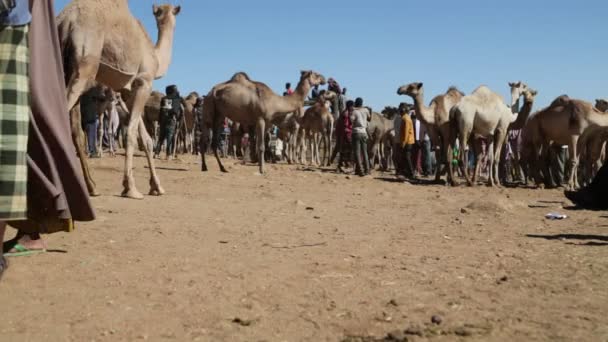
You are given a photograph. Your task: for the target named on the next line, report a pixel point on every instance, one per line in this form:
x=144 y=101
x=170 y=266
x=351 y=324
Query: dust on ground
x=301 y=255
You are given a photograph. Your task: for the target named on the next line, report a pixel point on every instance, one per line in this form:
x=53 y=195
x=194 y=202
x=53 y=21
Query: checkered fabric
x=14 y=121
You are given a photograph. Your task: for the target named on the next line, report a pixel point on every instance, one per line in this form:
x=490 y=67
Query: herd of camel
x=102 y=43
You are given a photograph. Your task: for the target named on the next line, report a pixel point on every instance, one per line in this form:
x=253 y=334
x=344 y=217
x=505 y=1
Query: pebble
x=436 y=319
x=464 y=210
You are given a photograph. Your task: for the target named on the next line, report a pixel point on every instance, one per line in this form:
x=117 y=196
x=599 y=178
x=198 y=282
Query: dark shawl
x=56 y=188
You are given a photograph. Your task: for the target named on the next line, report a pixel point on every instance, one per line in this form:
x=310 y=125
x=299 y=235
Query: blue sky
x=372 y=47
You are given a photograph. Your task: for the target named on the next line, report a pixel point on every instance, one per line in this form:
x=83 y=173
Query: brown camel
x=436 y=117
x=562 y=123
x=252 y=103
x=318 y=124
x=102 y=41
x=601 y=105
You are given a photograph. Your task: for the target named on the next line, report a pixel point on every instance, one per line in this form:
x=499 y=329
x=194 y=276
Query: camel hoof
x=157 y=191
x=222 y=169
x=94 y=193
x=133 y=194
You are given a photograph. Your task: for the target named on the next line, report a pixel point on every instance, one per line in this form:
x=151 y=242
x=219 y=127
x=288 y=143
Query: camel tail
x=455 y=116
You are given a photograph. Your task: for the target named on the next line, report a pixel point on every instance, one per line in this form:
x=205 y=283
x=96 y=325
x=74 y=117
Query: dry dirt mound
x=494 y=204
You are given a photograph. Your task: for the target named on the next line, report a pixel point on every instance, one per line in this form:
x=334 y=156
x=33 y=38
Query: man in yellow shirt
x=407 y=139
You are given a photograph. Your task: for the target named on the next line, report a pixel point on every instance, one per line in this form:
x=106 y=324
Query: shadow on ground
x=577 y=237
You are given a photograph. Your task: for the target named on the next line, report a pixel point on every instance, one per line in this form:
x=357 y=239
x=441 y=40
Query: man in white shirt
x=360 y=119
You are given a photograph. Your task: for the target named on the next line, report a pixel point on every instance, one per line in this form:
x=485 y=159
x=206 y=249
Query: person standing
x=427 y=165
x=89 y=104
x=332 y=85
x=417 y=147
x=360 y=118
x=199 y=125
x=314 y=94
x=397 y=149
x=344 y=137
x=42 y=189
x=288 y=90
x=170 y=115
x=408 y=139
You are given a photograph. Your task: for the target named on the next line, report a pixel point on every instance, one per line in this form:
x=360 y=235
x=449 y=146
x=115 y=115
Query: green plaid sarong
x=14 y=121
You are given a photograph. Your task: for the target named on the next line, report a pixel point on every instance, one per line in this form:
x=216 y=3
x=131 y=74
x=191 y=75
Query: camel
x=152 y=113
x=377 y=130
x=185 y=131
x=318 y=123
x=485 y=114
x=562 y=123
x=252 y=103
x=111 y=107
x=592 y=145
x=101 y=40
x=436 y=117
x=601 y=105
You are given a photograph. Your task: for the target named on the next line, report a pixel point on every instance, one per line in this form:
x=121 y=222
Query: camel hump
x=561 y=100
x=239 y=77
x=454 y=90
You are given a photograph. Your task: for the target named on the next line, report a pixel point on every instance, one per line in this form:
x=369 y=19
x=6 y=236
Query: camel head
x=529 y=95
x=601 y=105
x=165 y=14
x=412 y=89
x=517 y=90
x=329 y=95
x=314 y=78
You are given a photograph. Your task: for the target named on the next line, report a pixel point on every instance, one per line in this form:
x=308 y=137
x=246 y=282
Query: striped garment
x=14 y=121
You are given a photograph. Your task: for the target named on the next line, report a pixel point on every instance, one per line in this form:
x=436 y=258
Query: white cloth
x=359 y=119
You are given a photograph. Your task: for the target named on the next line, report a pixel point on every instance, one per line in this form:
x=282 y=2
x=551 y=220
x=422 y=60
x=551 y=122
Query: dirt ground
x=305 y=255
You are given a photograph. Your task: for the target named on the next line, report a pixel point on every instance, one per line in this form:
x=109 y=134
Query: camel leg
x=99 y=142
x=478 y=150
x=141 y=93
x=148 y=145
x=499 y=141
x=78 y=139
x=573 y=163
x=492 y=160
x=204 y=138
x=464 y=156
x=261 y=148
x=218 y=127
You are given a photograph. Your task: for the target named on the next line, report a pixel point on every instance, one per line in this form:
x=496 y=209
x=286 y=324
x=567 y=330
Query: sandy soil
x=301 y=255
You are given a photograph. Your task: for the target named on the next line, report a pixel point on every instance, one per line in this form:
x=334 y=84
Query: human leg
x=366 y=164
x=408 y=167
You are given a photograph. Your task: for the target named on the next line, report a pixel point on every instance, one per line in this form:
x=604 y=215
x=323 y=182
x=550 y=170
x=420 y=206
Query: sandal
x=19 y=250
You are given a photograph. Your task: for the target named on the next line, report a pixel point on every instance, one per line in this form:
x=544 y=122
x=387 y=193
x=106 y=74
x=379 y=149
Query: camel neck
x=294 y=101
x=423 y=112
x=523 y=115
x=164 y=48
x=515 y=106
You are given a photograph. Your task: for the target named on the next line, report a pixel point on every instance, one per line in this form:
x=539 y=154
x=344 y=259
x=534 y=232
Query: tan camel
x=252 y=103
x=592 y=145
x=184 y=134
x=318 y=124
x=102 y=41
x=484 y=114
x=436 y=117
x=152 y=113
x=377 y=130
x=562 y=123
